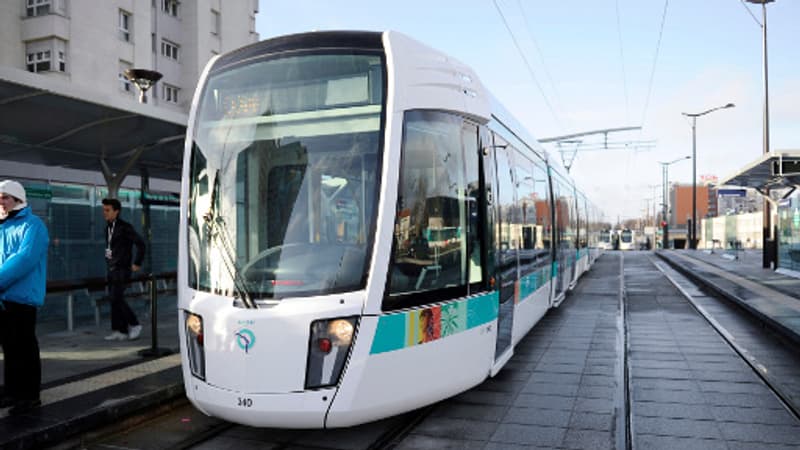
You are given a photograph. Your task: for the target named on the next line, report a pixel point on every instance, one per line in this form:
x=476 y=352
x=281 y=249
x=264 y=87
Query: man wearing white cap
x=23 y=279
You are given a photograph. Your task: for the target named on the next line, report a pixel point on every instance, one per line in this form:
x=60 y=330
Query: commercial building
x=681 y=204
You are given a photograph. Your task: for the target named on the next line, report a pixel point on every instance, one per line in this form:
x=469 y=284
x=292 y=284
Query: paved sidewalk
x=88 y=382
x=771 y=296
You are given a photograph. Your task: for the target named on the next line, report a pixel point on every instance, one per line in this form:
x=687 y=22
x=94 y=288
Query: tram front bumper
x=290 y=410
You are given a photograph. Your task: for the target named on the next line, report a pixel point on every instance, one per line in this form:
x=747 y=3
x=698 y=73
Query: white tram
x=627 y=239
x=363 y=232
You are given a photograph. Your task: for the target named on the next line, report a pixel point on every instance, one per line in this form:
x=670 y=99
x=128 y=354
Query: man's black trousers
x=22 y=367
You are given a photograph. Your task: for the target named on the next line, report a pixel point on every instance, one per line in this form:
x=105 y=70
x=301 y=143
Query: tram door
x=560 y=240
x=506 y=245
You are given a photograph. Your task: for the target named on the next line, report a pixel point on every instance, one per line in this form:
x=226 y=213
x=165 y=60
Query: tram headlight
x=329 y=346
x=342 y=330
x=194 y=344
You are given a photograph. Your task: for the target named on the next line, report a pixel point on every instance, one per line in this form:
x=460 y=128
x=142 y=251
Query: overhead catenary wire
x=751 y=13
x=528 y=66
x=655 y=63
x=528 y=28
x=622 y=59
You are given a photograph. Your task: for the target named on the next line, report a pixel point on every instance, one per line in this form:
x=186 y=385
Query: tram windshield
x=627 y=236
x=284 y=175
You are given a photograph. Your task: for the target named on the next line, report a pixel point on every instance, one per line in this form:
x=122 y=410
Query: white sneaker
x=134 y=332
x=116 y=336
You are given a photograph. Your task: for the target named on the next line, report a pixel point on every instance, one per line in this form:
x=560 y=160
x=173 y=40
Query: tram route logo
x=245 y=339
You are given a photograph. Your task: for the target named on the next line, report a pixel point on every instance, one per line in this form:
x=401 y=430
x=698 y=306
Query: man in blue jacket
x=23 y=280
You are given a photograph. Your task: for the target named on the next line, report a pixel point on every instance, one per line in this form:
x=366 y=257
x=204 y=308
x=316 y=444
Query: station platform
x=559 y=389
x=88 y=382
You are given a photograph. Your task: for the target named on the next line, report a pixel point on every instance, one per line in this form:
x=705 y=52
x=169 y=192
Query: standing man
x=23 y=283
x=120 y=240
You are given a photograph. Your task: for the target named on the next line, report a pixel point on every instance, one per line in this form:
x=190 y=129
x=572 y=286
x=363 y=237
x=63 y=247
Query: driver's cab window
x=433 y=257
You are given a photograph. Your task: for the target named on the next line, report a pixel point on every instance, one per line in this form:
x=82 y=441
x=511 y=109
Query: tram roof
x=774 y=170
x=51 y=122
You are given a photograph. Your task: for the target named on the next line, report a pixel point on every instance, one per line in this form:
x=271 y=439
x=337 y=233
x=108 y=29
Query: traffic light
x=663 y=224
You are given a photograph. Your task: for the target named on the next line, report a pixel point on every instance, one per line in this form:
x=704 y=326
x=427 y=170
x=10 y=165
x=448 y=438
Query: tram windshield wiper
x=216 y=230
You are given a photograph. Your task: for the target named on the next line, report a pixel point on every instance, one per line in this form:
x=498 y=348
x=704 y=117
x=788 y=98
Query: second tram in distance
x=364 y=231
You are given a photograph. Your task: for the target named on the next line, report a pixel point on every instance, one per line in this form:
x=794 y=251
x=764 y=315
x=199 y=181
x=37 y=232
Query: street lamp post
x=665 y=204
x=693 y=229
x=143 y=79
x=769 y=253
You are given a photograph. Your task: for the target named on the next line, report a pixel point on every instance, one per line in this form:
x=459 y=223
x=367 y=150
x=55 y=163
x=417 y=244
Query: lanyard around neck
x=110 y=232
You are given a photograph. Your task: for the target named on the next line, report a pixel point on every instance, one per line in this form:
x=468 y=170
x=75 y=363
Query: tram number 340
x=244 y=402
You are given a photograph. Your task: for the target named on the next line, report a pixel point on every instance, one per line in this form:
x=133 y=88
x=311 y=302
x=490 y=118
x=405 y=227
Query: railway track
x=760 y=367
x=181 y=427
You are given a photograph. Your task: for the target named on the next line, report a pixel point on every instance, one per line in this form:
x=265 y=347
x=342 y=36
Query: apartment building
x=89 y=43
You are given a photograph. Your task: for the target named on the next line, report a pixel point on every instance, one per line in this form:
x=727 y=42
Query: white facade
x=88 y=43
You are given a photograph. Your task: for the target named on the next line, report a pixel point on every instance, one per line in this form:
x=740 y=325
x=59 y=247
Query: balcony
x=44 y=27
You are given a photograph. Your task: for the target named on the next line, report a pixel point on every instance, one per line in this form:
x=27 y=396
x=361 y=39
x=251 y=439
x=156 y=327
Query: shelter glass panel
x=789 y=233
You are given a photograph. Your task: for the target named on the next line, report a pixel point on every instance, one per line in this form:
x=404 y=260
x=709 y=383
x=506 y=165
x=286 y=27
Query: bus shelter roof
x=774 y=170
x=48 y=121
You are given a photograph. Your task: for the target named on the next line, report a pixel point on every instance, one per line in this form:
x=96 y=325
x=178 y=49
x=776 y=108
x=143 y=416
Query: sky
x=572 y=66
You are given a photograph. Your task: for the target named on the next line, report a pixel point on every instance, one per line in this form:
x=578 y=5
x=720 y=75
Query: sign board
x=44 y=193
x=732 y=192
x=708 y=178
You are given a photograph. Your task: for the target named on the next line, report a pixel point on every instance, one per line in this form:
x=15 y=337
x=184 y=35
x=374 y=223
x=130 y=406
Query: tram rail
x=752 y=361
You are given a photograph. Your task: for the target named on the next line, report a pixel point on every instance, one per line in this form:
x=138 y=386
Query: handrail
x=98 y=283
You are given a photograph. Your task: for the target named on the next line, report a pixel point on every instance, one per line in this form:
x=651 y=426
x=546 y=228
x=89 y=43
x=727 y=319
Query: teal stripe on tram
x=422 y=325
x=391 y=333
x=483 y=309
x=532 y=282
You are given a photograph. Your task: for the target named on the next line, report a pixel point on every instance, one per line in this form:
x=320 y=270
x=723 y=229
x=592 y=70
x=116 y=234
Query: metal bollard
x=154 y=351
x=70 y=320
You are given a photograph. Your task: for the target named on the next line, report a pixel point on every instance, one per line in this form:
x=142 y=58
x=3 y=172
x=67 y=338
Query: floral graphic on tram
x=424 y=325
x=453 y=318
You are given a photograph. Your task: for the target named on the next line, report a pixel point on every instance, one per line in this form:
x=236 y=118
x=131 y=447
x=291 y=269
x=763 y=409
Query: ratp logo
x=245 y=339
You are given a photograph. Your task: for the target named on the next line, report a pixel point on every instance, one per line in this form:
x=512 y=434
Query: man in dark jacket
x=23 y=279
x=120 y=240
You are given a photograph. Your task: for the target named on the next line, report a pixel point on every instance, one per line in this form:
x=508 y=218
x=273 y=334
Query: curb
x=90 y=411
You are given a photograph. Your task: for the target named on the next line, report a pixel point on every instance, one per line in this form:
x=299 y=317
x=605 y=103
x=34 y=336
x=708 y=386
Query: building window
x=170 y=93
x=46 y=55
x=169 y=49
x=37 y=7
x=125 y=22
x=39 y=61
x=170 y=7
x=124 y=84
x=215 y=22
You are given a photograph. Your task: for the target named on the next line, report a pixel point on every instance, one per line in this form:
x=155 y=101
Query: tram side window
x=565 y=215
x=431 y=259
x=533 y=254
x=541 y=196
x=469 y=138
